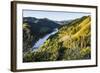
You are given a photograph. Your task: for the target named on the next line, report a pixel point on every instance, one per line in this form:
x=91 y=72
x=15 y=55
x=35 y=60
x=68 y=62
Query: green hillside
x=71 y=42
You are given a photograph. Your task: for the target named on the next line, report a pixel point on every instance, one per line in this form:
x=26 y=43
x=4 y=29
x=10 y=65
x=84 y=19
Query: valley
x=72 y=41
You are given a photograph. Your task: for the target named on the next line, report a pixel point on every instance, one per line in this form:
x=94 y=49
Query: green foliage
x=85 y=52
x=27 y=57
x=72 y=42
x=44 y=30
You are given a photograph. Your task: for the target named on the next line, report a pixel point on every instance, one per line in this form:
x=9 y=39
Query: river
x=41 y=41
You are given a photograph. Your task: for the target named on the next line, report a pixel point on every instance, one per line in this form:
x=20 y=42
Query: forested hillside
x=34 y=29
x=71 y=42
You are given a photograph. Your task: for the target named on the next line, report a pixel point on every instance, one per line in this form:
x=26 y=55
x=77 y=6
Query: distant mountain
x=41 y=22
x=64 y=22
x=71 y=42
x=29 y=19
x=39 y=25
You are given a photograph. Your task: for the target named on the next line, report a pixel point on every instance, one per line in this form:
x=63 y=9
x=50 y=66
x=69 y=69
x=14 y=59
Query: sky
x=54 y=15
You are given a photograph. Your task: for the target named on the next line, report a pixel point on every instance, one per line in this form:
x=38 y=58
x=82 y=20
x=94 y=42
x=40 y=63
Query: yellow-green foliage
x=85 y=52
x=84 y=30
x=25 y=26
x=72 y=42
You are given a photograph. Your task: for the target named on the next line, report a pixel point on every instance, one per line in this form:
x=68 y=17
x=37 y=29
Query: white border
x=21 y=65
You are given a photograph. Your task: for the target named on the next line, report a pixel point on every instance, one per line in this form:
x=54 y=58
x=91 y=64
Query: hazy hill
x=71 y=42
x=63 y=22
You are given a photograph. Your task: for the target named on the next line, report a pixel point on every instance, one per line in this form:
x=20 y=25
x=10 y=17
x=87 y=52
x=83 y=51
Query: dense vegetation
x=34 y=29
x=71 y=42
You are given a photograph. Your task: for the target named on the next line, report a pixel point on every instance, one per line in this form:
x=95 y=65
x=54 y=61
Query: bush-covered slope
x=71 y=42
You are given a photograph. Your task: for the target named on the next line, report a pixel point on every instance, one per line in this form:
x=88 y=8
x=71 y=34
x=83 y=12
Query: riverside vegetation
x=71 y=42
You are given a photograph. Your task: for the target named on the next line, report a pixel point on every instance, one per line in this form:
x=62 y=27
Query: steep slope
x=40 y=26
x=71 y=42
x=80 y=28
x=27 y=38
